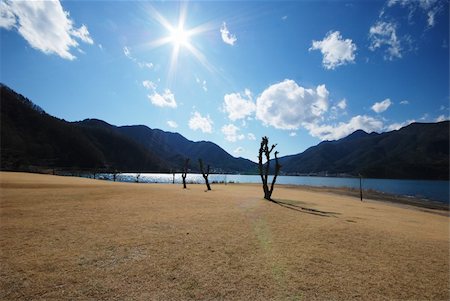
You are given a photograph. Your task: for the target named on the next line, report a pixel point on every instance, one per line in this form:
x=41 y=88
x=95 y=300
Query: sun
x=179 y=36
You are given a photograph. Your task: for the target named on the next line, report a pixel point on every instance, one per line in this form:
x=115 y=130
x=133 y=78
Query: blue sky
x=231 y=72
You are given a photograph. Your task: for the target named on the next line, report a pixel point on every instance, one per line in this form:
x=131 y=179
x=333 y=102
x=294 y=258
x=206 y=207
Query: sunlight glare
x=179 y=36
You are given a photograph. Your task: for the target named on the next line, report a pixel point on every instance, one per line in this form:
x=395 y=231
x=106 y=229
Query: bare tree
x=205 y=175
x=264 y=169
x=184 y=173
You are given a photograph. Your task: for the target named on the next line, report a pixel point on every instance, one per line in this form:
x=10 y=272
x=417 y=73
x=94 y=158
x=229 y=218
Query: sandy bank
x=72 y=238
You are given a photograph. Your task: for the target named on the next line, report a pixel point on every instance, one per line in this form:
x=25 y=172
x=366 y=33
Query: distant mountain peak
x=417 y=151
x=356 y=135
x=95 y=122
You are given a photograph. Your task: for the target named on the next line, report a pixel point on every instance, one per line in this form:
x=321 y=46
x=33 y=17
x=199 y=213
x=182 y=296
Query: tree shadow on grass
x=290 y=205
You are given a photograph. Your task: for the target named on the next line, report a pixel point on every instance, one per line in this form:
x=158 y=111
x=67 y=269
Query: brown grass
x=72 y=238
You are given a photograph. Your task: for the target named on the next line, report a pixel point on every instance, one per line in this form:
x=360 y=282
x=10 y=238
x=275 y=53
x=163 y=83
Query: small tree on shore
x=205 y=175
x=264 y=169
x=184 y=173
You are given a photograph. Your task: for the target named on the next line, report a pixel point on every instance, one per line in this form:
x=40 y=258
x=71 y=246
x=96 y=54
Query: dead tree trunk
x=264 y=170
x=205 y=175
x=184 y=173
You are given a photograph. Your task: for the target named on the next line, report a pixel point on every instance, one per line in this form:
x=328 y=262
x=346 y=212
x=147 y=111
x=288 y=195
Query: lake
x=425 y=189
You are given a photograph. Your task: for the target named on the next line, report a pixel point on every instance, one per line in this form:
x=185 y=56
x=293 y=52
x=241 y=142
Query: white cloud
x=141 y=64
x=7 y=16
x=202 y=83
x=336 y=51
x=342 y=104
x=338 y=109
x=83 y=34
x=127 y=52
x=149 y=85
x=166 y=99
x=44 y=25
x=393 y=2
x=334 y=132
x=292 y=134
x=398 y=125
x=145 y=65
x=251 y=136
x=431 y=20
x=384 y=34
x=381 y=106
x=172 y=124
x=425 y=116
x=227 y=37
x=238 y=150
x=429 y=7
x=441 y=118
x=237 y=106
x=408 y=16
x=360 y=122
x=284 y=18
x=404 y=102
x=198 y=122
x=231 y=133
x=286 y=105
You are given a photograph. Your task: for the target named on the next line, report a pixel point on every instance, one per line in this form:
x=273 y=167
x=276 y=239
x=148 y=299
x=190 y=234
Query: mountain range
x=417 y=151
x=31 y=139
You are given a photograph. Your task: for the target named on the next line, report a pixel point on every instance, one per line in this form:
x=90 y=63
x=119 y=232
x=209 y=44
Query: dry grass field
x=80 y=239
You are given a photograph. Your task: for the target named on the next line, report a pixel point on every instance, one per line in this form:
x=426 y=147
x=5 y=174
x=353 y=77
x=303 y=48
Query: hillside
x=31 y=139
x=173 y=148
x=417 y=151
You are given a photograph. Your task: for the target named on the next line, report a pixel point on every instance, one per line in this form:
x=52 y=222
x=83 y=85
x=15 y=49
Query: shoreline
x=368 y=194
x=374 y=195
x=346 y=190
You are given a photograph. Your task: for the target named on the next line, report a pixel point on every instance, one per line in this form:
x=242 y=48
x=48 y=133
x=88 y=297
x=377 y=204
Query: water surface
x=424 y=189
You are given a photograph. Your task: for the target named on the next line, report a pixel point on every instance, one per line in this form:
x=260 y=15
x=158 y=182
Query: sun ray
x=200 y=57
x=182 y=15
x=173 y=64
x=180 y=38
x=202 y=28
x=159 y=42
x=158 y=17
